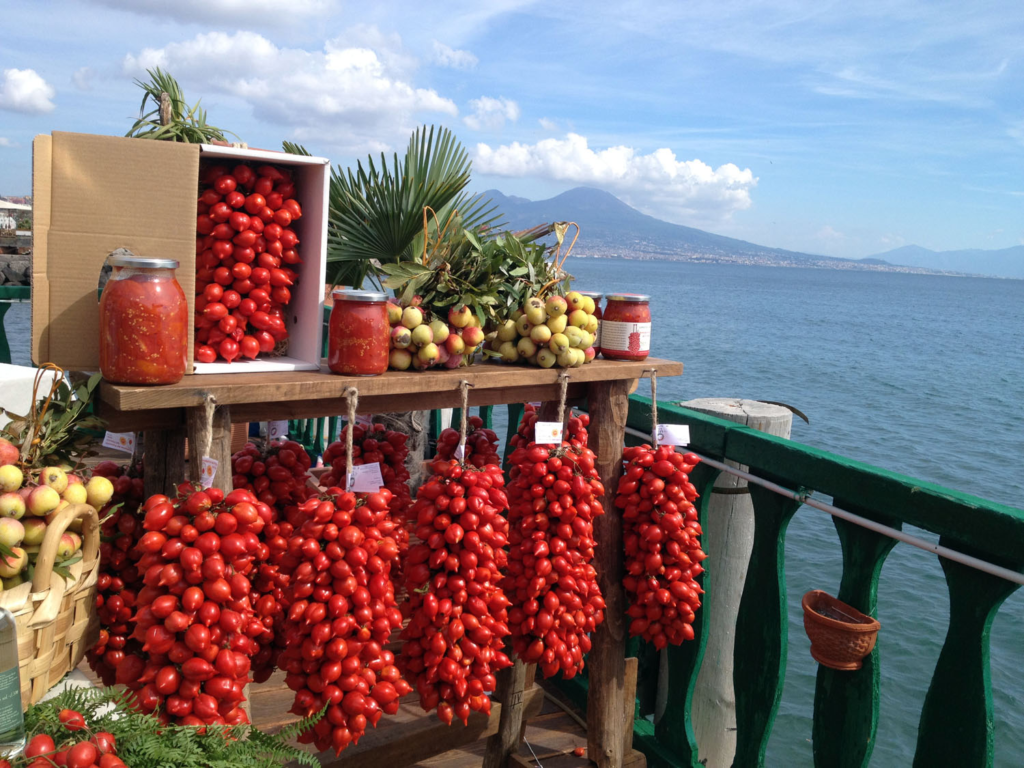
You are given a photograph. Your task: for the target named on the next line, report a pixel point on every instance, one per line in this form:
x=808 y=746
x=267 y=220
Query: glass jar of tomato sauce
x=143 y=322
x=359 y=333
x=626 y=327
x=597 y=298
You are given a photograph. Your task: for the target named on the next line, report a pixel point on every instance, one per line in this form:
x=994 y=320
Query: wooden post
x=728 y=540
x=164 y=456
x=608 y=403
x=210 y=427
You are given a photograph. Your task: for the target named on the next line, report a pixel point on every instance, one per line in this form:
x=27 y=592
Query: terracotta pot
x=841 y=636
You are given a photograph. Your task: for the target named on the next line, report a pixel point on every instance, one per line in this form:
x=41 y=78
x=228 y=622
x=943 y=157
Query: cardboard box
x=93 y=194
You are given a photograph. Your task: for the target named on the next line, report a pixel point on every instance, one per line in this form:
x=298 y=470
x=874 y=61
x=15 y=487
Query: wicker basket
x=57 y=620
x=841 y=636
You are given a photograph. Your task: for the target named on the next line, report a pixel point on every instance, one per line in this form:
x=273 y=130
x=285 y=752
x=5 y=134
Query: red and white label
x=628 y=338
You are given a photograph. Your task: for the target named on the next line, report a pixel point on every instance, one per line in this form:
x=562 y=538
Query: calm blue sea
x=919 y=374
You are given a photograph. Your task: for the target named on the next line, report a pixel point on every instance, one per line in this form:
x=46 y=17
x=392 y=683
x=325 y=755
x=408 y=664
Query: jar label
x=597 y=334
x=617 y=336
x=10 y=700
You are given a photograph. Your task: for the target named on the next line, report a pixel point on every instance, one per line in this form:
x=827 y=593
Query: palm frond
x=187 y=124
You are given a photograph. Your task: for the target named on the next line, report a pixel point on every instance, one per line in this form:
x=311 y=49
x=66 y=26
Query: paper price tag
x=460 y=452
x=120 y=441
x=365 y=478
x=277 y=430
x=548 y=433
x=208 y=471
x=673 y=434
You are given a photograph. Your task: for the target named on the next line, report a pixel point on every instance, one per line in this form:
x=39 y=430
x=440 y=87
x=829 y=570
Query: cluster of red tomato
x=340 y=611
x=119 y=581
x=456 y=608
x=195 y=613
x=245 y=259
x=554 y=496
x=661 y=537
x=481 y=444
x=279 y=476
x=98 y=751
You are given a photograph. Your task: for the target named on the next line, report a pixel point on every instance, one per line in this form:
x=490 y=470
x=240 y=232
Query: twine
x=654 y=405
x=563 y=381
x=464 y=425
x=352 y=395
x=209 y=405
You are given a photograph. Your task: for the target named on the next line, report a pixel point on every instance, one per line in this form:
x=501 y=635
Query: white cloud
x=891 y=240
x=238 y=12
x=548 y=125
x=23 y=90
x=829 y=234
x=83 y=78
x=446 y=56
x=681 y=190
x=4 y=142
x=491 y=114
x=352 y=97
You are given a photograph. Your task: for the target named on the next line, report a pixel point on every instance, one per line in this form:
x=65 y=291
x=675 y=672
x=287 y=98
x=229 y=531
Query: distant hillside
x=612 y=228
x=1008 y=262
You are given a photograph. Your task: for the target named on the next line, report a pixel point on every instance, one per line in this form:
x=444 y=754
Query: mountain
x=1007 y=262
x=610 y=227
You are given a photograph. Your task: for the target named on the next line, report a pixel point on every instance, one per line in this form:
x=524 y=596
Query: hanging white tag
x=277 y=430
x=120 y=441
x=548 y=433
x=673 y=434
x=208 y=472
x=365 y=478
x=460 y=452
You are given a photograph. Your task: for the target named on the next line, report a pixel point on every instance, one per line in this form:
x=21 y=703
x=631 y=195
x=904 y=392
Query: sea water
x=914 y=373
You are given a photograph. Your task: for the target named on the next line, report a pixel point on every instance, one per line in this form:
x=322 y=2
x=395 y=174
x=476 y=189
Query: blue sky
x=829 y=127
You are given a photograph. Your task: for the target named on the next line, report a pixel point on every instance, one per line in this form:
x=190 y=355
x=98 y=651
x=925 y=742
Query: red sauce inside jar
x=143 y=323
x=358 y=334
x=626 y=327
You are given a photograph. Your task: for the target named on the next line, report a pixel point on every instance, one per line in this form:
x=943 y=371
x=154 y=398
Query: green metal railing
x=956 y=722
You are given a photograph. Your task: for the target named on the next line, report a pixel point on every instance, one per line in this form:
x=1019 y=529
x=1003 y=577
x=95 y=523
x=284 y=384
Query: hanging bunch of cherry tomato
x=195 y=613
x=481 y=444
x=373 y=443
x=554 y=496
x=661 y=536
x=246 y=260
x=456 y=608
x=340 y=611
x=119 y=580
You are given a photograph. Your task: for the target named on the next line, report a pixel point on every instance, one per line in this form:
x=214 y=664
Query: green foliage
x=377 y=211
x=58 y=435
x=295 y=149
x=143 y=742
x=492 y=275
x=187 y=124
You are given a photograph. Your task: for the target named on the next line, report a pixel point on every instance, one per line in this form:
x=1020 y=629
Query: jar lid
x=353 y=294
x=591 y=294
x=637 y=298
x=141 y=262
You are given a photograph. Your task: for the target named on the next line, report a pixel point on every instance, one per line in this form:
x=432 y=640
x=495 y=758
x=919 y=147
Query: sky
x=838 y=128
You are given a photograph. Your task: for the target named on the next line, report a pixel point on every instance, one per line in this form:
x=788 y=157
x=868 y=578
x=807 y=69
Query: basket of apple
x=422 y=339
x=556 y=331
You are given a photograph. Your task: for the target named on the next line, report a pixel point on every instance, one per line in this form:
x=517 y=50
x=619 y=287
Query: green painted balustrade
x=956 y=722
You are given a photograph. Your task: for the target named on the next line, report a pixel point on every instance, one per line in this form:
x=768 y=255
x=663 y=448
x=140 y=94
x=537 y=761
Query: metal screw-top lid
x=352 y=294
x=637 y=298
x=595 y=295
x=140 y=262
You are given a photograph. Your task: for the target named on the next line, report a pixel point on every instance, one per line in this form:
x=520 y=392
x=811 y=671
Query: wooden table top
x=298 y=386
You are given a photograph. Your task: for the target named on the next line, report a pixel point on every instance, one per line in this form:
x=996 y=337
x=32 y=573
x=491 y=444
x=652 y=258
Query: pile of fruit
x=554 y=496
x=481 y=444
x=79 y=750
x=661 y=537
x=453 y=643
x=246 y=259
x=560 y=330
x=340 y=610
x=29 y=502
x=420 y=341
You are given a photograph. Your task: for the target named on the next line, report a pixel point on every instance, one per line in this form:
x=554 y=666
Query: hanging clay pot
x=841 y=636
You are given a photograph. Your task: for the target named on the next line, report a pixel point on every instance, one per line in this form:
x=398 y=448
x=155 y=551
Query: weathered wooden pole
x=728 y=540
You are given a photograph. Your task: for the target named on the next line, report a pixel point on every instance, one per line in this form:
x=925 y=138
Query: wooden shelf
x=311 y=394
